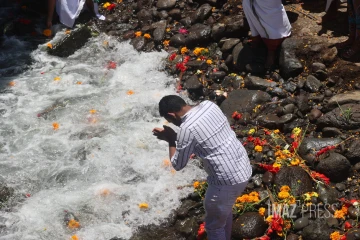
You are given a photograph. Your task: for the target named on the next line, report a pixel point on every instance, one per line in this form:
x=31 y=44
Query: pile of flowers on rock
x=281 y=206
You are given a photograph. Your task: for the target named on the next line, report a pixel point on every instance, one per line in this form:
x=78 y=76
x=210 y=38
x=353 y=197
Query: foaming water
x=99 y=165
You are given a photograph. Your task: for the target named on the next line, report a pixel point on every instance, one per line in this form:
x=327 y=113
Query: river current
x=75 y=136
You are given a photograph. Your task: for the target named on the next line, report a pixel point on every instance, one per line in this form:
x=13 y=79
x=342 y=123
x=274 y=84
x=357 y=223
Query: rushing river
x=76 y=136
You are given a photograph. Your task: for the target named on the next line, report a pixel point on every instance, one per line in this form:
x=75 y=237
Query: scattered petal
x=130 y=92
x=56 y=126
x=12 y=83
x=47 y=32
x=78 y=82
x=56 y=78
x=49 y=45
x=143 y=206
x=92 y=111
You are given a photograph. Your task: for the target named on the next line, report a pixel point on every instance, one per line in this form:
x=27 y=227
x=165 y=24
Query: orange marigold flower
x=47 y=32
x=197 y=185
x=138 y=34
x=276 y=131
x=184 y=50
x=258 y=148
x=166 y=43
x=339 y=214
x=262 y=211
x=11 y=84
x=292 y=200
x=72 y=224
x=49 y=45
x=67 y=31
x=147 y=36
x=56 y=126
x=283 y=195
x=344 y=209
x=209 y=61
x=92 y=111
x=56 y=78
x=285 y=188
x=143 y=205
x=78 y=82
x=166 y=163
x=295 y=162
x=335 y=236
x=130 y=92
x=74 y=237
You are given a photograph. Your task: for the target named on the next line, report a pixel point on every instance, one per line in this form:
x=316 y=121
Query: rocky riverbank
x=299 y=124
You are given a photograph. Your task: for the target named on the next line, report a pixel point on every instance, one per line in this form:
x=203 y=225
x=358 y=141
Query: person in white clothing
x=69 y=10
x=269 y=23
x=206 y=132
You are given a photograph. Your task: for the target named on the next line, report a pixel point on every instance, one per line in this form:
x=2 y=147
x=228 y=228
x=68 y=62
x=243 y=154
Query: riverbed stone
x=193 y=85
x=243 y=100
x=312 y=84
x=335 y=166
x=177 y=40
x=187 y=227
x=296 y=178
x=318 y=66
x=202 y=13
x=300 y=223
x=5 y=192
x=290 y=65
x=353 y=151
x=346 y=117
x=317 y=230
x=229 y=44
x=327 y=195
x=344 y=98
x=249 y=225
x=257 y=83
x=310 y=146
x=199 y=34
x=165 y=4
x=314 y=114
x=353 y=234
x=138 y=43
x=155 y=232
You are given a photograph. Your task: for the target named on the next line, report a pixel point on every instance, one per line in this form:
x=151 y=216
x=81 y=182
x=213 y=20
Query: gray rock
x=144 y=16
x=330 y=55
x=243 y=100
x=353 y=151
x=178 y=40
x=354 y=212
x=340 y=186
x=5 y=192
x=138 y=43
x=328 y=93
x=165 y=4
x=353 y=234
x=292 y=236
x=335 y=166
x=186 y=22
x=310 y=146
x=257 y=83
x=312 y=84
x=175 y=13
x=300 y=223
x=290 y=86
x=193 y=85
x=187 y=227
x=229 y=44
x=156 y=232
x=314 y=114
x=183 y=210
x=198 y=34
x=332 y=222
x=296 y=178
x=290 y=65
x=197 y=65
x=217 y=76
x=230 y=82
x=159 y=32
x=289 y=108
x=236 y=26
x=346 y=117
x=71 y=42
x=270 y=121
x=331 y=132
x=327 y=194
x=268 y=178
x=163 y=14
x=318 y=66
x=344 y=98
x=302 y=103
x=202 y=13
x=317 y=230
x=218 y=31
x=321 y=75
x=249 y=225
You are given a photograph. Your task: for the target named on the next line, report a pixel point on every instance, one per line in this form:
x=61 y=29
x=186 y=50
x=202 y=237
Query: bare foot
x=270 y=60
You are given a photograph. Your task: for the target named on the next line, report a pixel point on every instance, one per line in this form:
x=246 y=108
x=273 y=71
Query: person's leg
x=218 y=206
x=331 y=12
x=355 y=48
x=272 y=45
x=90 y=6
x=352 y=26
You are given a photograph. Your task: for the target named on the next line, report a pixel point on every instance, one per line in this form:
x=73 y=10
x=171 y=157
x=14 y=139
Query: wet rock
x=175 y=14
x=178 y=40
x=202 y=65
x=289 y=108
x=217 y=76
x=187 y=227
x=331 y=132
x=340 y=186
x=335 y=166
x=155 y=232
x=353 y=151
x=159 y=32
x=353 y=234
x=314 y=114
x=332 y=222
x=202 y=13
x=249 y=225
x=292 y=236
x=268 y=178
x=229 y=44
x=71 y=42
x=68 y=217
x=144 y=16
x=165 y=4
x=330 y=55
x=290 y=86
x=270 y=121
x=290 y=65
x=257 y=179
x=163 y=14
x=117 y=238
x=5 y=192
x=138 y=43
x=230 y=82
x=344 y=98
x=321 y=75
x=327 y=194
x=255 y=68
x=193 y=85
x=318 y=66
x=218 y=31
x=243 y=100
x=199 y=34
x=346 y=117
x=328 y=93
x=302 y=103
x=310 y=146
x=312 y=84
x=296 y=178
x=317 y=230
x=128 y=34
x=354 y=212
x=300 y=223
x=257 y=83
x=236 y=26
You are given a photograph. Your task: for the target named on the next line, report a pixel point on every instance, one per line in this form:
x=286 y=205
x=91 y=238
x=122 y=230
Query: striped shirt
x=206 y=132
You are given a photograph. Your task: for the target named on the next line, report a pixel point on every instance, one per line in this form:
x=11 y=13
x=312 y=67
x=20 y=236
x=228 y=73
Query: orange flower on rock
x=143 y=206
x=138 y=34
x=47 y=32
x=262 y=211
x=130 y=92
x=78 y=82
x=197 y=185
x=49 y=45
x=92 y=111
x=147 y=36
x=72 y=224
x=56 y=78
x=68 y=31
x=74 y=237
x=11 y=84
x=166 y=43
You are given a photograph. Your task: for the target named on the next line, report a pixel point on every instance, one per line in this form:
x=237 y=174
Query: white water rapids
x=99 y=166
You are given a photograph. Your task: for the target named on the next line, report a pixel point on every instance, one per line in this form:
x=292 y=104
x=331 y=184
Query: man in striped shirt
x=205 y=131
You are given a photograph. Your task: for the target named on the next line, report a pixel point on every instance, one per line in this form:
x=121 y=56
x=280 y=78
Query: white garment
x=218 y=204
x=267 y=18
x=69 y=10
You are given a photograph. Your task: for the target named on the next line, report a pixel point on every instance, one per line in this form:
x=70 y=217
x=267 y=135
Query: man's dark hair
x=170 y=103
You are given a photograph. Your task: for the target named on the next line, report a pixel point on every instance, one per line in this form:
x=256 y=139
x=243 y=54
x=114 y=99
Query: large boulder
x=248 y=226
x=202 y=13
x=296 y=178
x=290 y=65
x=243 y=100
x=353 y=151
x=71 y=42
x=335 y=166
x=345 y=117
x=198 y=34
x=309 y=146
x=317 y=230
x=344 y=98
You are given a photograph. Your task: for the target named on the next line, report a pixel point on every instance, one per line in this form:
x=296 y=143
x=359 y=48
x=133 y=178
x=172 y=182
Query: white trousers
x=267 y=18
x=218 y=203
